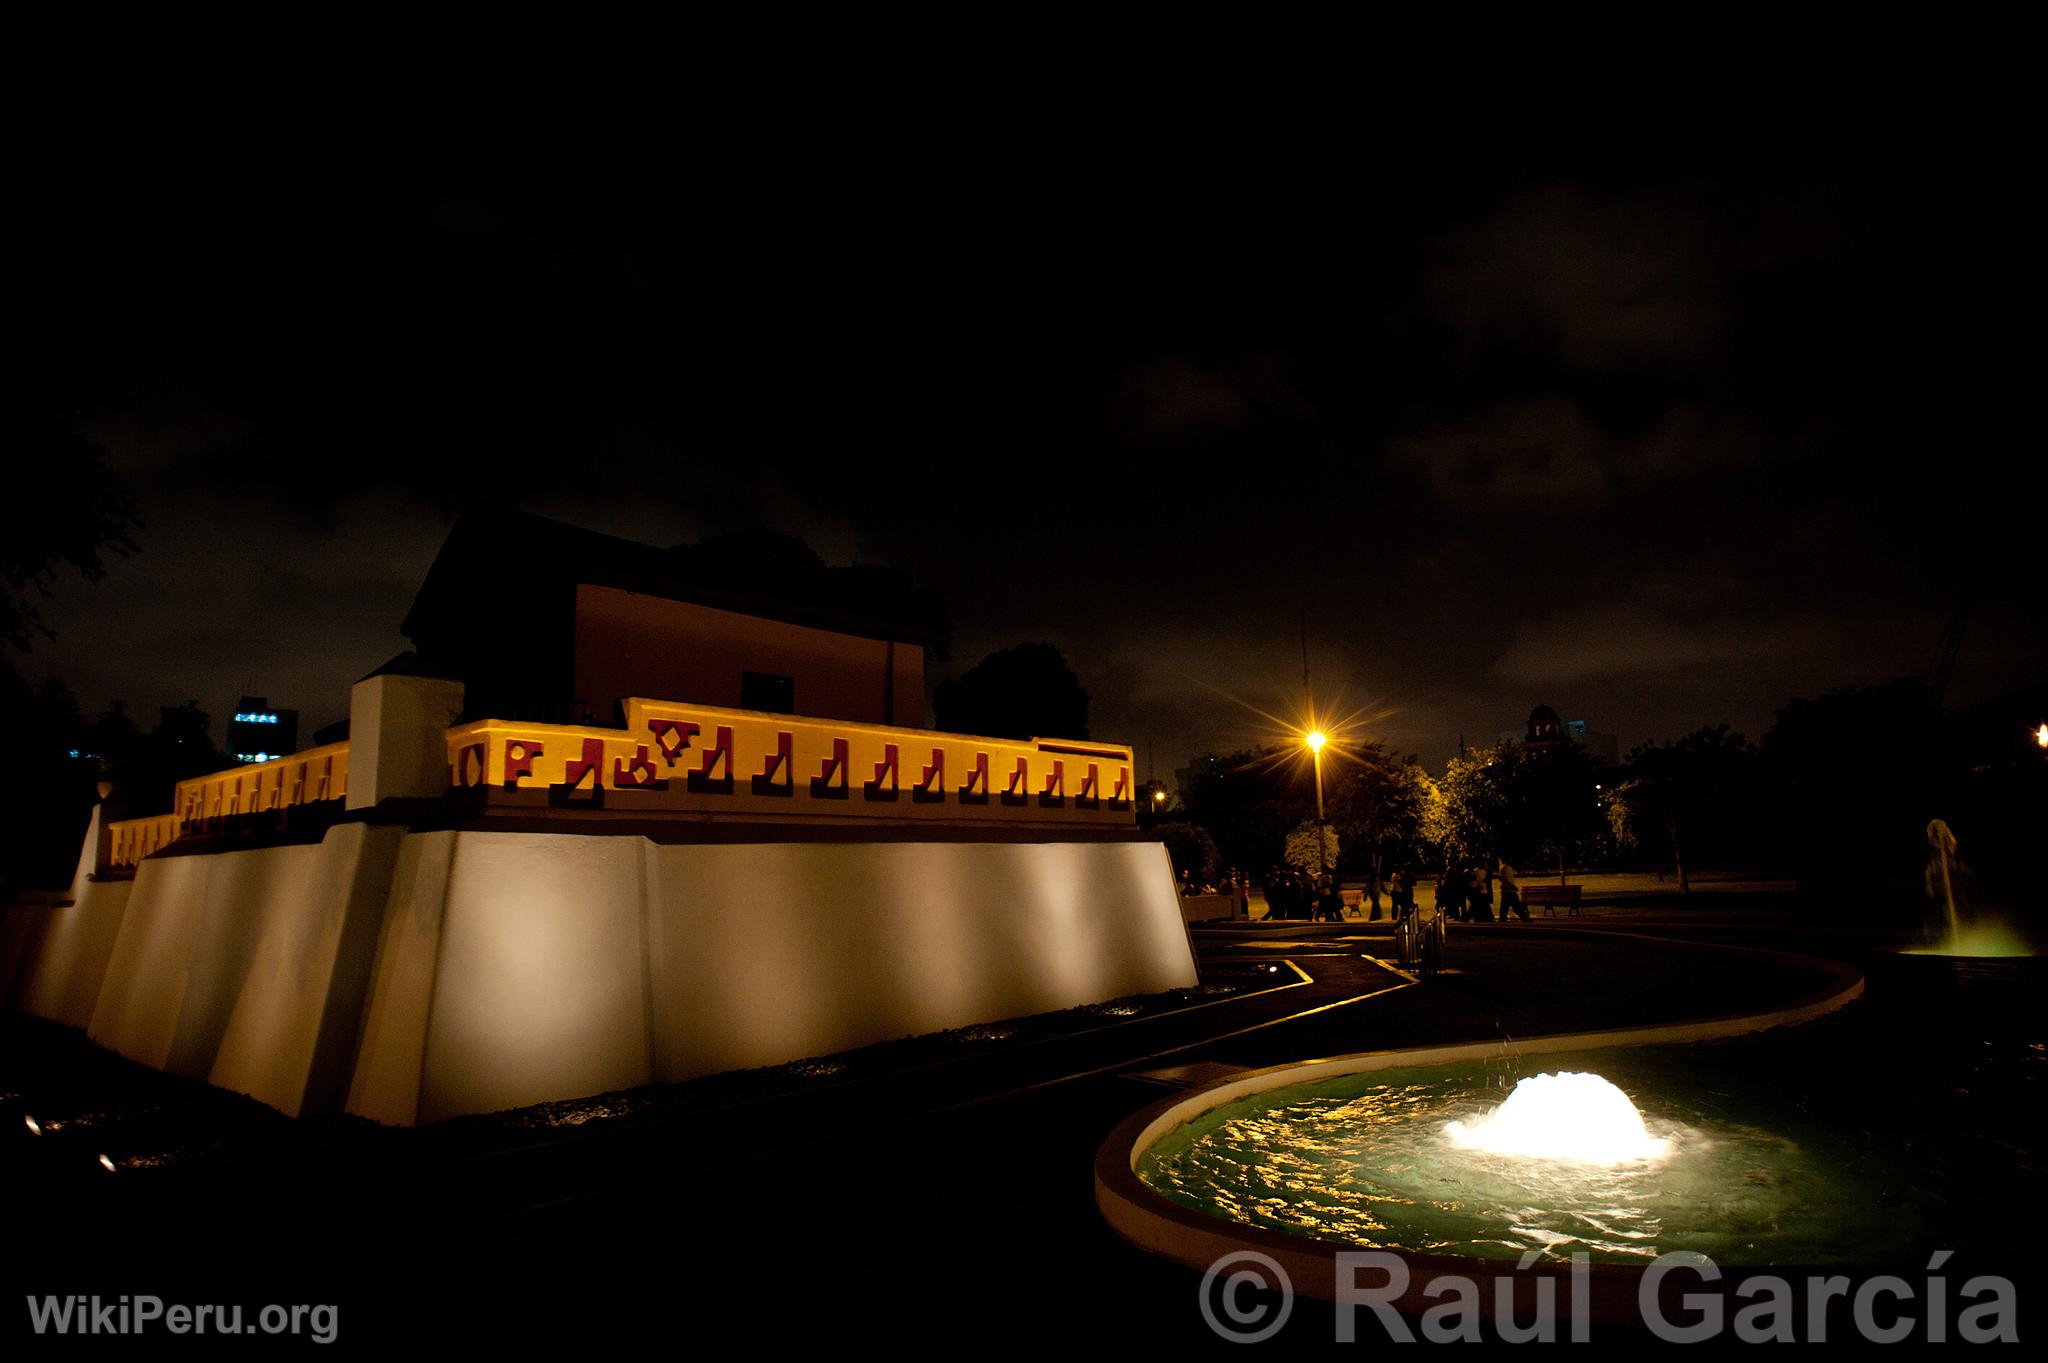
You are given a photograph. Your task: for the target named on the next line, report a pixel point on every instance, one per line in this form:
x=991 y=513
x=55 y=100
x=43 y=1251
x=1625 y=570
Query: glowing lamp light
x=35 y=1128
x=1576 y=1117
x=1316 y=739
x=2041 y=735
x=106 y=1164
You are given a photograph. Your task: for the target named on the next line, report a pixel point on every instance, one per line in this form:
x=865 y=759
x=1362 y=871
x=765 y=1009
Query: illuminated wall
x=743 y=765
x=781 y=887
x=309 y=777
x=415 y=976
x=499 y=976
x=709 y=762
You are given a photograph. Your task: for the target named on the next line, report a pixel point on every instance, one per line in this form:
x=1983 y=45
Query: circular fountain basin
x=1432 y=1154
x=1435 y=1160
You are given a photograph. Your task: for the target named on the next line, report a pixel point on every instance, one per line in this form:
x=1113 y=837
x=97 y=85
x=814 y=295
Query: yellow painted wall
x=650 y=764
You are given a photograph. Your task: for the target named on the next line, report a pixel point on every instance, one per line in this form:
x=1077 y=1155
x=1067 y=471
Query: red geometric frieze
x=1055 y=792
x=778 y=776
x=975 y=792
x=830 y=782
x=590 y=764
x=638 y=774
x=883 y=787
x=1019 y=790
x=520 y=754
x=931 y=788
x=672 y=736
x=719 y=754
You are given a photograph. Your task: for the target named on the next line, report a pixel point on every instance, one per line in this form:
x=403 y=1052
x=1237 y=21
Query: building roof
x=758 y=573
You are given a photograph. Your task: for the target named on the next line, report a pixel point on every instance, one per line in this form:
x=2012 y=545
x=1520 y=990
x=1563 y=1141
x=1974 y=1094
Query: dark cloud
x=1615 y=393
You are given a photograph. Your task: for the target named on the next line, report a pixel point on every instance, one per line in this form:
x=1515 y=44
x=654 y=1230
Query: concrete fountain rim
x=1196 y=1240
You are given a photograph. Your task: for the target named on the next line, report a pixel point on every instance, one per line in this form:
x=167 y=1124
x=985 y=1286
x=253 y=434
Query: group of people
x=1294 y=893
x=1465 y=893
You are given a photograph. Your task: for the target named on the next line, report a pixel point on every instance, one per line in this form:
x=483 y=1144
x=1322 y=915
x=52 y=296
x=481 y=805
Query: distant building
x=1545 y=729
x=257 y=733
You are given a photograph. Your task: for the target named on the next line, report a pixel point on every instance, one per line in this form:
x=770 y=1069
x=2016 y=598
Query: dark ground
x=936 y=1196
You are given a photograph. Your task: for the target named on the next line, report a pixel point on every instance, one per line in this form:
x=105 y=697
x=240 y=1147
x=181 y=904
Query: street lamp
x=1315 y=741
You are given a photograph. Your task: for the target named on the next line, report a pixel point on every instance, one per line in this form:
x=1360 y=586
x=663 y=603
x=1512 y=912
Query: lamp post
x=1315 y=740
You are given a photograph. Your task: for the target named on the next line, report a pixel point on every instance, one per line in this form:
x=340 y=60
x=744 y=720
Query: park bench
x=1550 y=896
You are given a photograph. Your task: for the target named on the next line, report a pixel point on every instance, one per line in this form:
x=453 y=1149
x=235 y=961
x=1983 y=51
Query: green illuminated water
x=1364 y=1160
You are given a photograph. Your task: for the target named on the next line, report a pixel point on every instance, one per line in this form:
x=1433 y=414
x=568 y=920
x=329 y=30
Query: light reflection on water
x=1365 y=1160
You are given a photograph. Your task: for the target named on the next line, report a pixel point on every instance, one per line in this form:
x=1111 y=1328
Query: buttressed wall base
x=411 y=976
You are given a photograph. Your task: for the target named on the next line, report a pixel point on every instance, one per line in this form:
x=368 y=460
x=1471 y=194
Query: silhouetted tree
x=1248 y=800
x=1023 y=692
x=1854 y=777
x=1690 y=793
x=1530 y=805
x=1378 y=804
x=146 y=768
x=67 y=509
x=1192 y=850
x=47 y=797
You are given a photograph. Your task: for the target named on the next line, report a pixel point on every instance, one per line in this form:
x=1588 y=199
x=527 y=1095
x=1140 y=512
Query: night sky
x=1659 y=400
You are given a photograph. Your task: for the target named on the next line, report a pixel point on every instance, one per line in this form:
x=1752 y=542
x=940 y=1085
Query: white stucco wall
x=64 y=951
x=386 y=1083
x=397 y=730
x=765 y=953
x=290 y=1036
x=540 y=985
x=415 y=976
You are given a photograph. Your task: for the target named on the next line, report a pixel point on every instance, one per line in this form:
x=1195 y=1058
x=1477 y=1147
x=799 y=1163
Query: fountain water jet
x=1944 y=870
x=1579 y=1117
x=1941 y=876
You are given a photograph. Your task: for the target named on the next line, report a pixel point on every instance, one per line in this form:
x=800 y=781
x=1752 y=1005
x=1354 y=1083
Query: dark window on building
x=767 y=692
